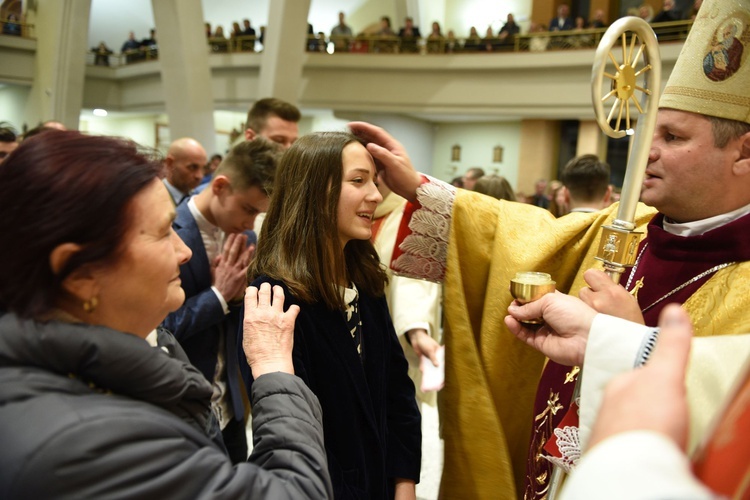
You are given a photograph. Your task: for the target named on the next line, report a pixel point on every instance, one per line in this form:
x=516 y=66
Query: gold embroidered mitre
x=712 y=74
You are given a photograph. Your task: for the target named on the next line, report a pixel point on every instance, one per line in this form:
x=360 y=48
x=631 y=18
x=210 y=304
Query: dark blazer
x=200 y=321
x=666 y=16
x=415 y=31
x=568 y=24
x=371 y=422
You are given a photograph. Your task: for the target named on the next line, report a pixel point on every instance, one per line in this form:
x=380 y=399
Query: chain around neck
x=678 y=288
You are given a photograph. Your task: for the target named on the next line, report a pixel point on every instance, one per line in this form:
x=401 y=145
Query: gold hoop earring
x=90 y=305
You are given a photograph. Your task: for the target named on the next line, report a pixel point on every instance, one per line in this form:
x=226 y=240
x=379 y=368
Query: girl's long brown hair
x=300 y=244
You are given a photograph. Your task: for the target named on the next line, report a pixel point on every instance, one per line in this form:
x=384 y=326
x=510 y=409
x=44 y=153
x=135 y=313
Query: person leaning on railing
x=12 y=26
x=101 y=54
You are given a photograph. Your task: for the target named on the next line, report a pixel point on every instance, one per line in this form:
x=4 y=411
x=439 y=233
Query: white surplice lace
x=425 y=250
x=570 y=448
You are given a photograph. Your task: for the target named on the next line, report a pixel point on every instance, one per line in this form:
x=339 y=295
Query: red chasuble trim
x=403 y=228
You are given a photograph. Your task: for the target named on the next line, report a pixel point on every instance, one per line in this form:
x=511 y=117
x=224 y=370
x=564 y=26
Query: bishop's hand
x=610 y=298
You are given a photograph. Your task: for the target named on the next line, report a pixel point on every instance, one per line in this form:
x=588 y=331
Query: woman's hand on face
x=391 y=159
x=268 y=331
x=563 y=336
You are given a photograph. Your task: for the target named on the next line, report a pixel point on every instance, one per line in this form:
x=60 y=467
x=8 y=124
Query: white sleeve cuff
x=424 y=325
x=223 y=302
x=612 y=348
x=636 y=465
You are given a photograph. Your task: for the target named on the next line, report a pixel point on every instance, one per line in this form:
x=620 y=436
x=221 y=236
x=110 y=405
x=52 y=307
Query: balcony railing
x=233 y=44
x=16 y=28
x=558 y=40
x=373 y=44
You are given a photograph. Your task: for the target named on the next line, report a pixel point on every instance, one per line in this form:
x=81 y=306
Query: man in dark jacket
x=409 y=36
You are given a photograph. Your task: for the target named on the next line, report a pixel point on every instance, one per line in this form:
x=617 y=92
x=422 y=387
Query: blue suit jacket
x=200 y=321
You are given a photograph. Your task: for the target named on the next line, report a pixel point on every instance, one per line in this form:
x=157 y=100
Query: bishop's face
x=688 y=178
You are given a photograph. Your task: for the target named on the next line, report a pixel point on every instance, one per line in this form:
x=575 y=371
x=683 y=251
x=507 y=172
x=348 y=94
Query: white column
x=284 y=50
x=185 y=70
x=62 y=41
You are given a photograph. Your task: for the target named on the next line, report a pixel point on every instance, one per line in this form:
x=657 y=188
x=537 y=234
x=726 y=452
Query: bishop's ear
x=742 y=165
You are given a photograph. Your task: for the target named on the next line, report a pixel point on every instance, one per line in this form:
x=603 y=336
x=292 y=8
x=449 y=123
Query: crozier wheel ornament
x=625 y=87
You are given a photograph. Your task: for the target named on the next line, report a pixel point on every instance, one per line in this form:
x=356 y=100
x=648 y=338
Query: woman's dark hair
x=64 y=187
x=300 y=244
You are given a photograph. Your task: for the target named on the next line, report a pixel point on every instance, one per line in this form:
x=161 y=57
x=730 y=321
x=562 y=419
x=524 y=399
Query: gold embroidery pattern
x=572 y=374
x=541 y=433
x=638 y=285
x=706 y=94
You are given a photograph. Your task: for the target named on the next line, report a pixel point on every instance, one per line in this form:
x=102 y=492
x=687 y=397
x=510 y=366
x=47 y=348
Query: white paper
x=433 y=377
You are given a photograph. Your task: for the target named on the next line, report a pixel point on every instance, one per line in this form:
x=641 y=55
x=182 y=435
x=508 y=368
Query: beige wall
x=540 y=143
x=477 y=141
x=591 y=140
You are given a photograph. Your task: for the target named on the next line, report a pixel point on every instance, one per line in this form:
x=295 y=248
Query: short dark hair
x=725 y=130
x=586 y=177
x=270 y=106
x=7 y=133
x=39 y=129
x=251 y=163
x=64 y=187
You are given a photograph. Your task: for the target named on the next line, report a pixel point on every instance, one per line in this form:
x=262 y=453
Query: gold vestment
x=491 y=378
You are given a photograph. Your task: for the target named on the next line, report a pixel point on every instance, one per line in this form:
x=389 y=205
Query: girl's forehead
x=355 y=155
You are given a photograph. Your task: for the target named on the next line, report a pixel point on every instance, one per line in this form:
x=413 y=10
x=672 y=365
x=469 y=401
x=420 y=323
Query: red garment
x=723 y=463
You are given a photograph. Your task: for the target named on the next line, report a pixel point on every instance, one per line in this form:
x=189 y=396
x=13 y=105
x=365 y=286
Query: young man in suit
x=212 y=223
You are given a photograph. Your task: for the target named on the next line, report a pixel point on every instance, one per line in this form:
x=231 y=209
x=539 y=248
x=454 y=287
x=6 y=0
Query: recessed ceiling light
x=100 y=112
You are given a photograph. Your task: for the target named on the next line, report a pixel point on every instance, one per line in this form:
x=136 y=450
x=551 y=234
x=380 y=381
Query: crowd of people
x=409 y=39
x=147 y=317
x=241 y=38
x=382 y=38
x=132 y=49
x=584 y=186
